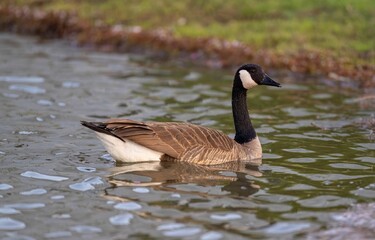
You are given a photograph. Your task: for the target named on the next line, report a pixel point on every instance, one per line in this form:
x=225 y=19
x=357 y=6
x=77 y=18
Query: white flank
x=127 y=151
x=247 y=80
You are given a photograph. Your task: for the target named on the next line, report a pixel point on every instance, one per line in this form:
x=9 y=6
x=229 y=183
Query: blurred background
x=335 y=38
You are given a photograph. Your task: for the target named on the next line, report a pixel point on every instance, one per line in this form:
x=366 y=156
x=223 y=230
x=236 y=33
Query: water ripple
x=141 y=190
x=26 y=132
x=297 y=150
x=57 y=197
x=44 y=102
x=93 y=180
x=122 y=219
x=5 y=186
x=211 y=236
x=8 y=210
x=11 y=95
x=178 y=230
x=287 y=227
x=368 y=146
x=130 y=206
x=183 y=232
x=325 y=201
x=61 y=216
x=27 y=89
x=86 y=169
x=367 y=193
x=25 y=205
x=86 y=229
x=297 y=112
x=16 y=236
x=58 y=234
x=302 y=136
x=40 y=176
x=170 y=226
x=348 y=166
x=11 y=224
x=37 y=191
x=82 y=186
x=19 y=79
x=71 y=84
x=226 y=216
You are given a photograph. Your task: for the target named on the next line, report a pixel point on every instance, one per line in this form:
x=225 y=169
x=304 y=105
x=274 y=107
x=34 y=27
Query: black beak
x=268 y=81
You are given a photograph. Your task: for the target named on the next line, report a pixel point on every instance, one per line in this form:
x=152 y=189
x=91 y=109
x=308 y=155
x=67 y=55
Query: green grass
x=342 y=28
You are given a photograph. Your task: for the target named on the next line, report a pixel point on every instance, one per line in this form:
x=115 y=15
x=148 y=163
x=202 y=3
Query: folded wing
x=170 y=138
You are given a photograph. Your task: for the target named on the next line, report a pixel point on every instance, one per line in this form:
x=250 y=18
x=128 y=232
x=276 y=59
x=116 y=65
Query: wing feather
x=173 y=139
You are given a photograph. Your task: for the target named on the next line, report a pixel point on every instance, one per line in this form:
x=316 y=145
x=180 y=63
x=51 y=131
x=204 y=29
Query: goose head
x=251 y=75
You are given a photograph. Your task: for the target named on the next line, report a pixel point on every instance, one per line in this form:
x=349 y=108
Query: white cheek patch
x=247 y=80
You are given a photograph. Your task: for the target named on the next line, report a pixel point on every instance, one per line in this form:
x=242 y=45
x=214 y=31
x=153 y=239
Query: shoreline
x=211 y=52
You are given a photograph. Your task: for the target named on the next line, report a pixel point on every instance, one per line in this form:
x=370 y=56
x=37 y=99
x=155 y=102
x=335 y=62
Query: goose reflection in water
x=231 y=178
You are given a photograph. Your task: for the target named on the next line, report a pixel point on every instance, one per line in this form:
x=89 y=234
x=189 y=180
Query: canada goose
x=133 y=141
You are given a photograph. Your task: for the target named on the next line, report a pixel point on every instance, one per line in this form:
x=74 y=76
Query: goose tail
x=99 y=127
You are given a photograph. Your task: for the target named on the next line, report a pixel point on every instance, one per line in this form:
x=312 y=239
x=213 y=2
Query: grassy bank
x=341 y=31
x=343 y=28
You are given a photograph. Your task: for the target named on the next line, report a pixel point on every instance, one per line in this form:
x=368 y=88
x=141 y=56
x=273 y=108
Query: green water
x=56 y=180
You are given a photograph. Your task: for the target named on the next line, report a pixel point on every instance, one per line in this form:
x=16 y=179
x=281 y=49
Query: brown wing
x=171 y=138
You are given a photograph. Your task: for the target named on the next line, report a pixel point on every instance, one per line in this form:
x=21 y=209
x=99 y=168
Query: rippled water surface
x=57 y=182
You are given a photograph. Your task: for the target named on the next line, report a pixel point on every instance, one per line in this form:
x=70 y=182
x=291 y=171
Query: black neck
x=244 y=129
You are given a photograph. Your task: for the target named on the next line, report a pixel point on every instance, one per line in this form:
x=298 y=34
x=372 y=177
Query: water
x=57 y=182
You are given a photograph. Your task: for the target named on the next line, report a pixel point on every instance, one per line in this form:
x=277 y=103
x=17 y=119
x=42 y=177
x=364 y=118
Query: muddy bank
x=204 y=51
